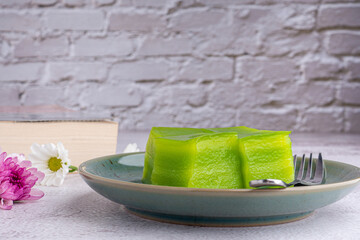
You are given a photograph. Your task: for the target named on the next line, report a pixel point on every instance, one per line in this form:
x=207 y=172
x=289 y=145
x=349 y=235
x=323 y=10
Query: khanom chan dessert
x=222 y=158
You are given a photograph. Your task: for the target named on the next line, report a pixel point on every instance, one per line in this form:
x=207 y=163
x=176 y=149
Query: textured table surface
x=74 y=211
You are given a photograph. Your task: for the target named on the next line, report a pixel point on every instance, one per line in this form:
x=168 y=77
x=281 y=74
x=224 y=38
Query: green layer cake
x=223 y=158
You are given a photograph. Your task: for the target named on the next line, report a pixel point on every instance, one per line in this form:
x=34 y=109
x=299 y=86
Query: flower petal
x=50 y=149
x=35 y=194
x=11 y=194
x=58 y=181
x=36 y=173
x=37 y=150
x=20 y=157
x=4 y=186
x=6 y=204
x=63 y=154
x=34 y=158
x=2 y=156
x=62 y=150
x=25 y=164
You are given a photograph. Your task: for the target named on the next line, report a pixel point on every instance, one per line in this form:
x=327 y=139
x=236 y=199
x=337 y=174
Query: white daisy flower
x=52 y=160
x=131 y=147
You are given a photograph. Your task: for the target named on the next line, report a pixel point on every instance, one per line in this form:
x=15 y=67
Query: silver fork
x=305 y=175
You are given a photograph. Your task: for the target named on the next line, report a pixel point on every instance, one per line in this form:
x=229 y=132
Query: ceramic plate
x=118 y=178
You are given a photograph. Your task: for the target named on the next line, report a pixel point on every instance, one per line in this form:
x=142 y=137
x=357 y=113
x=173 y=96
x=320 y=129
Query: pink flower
x=17 y=180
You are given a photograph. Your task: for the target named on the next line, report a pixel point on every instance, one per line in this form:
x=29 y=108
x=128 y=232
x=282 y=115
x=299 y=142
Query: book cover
x=84 y=135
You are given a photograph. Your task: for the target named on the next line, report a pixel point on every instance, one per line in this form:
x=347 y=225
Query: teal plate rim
x=176 y=204
x=149 y=187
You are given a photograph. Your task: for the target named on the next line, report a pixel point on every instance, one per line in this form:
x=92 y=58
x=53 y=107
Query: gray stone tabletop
x=75 y=211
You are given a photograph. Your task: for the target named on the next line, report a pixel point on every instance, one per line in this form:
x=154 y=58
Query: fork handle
x=264 y=183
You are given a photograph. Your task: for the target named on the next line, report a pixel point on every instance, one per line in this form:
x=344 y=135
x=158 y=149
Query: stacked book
x=85 y=136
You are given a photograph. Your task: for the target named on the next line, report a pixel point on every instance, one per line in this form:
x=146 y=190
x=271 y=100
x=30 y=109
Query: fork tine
x=300 y=174
x=295 y=164
x=294 y=161
x=320 y=170
x=309 y=169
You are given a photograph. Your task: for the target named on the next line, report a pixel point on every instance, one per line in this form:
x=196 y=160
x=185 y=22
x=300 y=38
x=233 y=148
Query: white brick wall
x=20 y=72
x=9 y=96
x=74 y=20
x=210 y=69
x=163 y=46
x=29 y=47
x=36 y=95
x=136 y=22
x=100 y=47
x=197 y=20
x=339 y=16
x=291 y=65
x=321 y=69
x=344 y=43
x=353 y=68
x=76 y=71
x=13 y=21
x=139 y=70
x=349 y=94
x=111 y=96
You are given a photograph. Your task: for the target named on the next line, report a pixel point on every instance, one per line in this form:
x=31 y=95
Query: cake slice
x=263 y=154
x=266 y=156
x=216 y=162
x=216 y=157
x=168 y=155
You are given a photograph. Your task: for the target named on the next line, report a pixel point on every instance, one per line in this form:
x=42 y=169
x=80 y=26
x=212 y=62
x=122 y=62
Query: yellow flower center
x=54 y=164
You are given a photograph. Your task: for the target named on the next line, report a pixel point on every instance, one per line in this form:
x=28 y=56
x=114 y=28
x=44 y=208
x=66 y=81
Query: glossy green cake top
x=168 y=131
x=184 y=134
